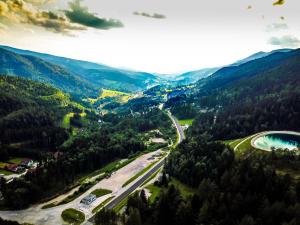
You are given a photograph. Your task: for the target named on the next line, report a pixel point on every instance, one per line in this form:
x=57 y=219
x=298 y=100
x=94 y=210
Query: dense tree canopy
x=229 y=191
x=89 y=150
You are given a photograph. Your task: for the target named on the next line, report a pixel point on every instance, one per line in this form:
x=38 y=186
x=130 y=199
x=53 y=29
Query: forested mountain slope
x=267 y=101
x=228 y=75
x=240 y=100
x=33 y=112
x=194 y=76
x=258 y=55
x=37 y=69
x=93 y=74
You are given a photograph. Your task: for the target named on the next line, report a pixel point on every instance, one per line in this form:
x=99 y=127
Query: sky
x=156 y=36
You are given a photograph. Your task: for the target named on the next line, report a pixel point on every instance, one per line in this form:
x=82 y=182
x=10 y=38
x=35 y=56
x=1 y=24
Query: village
x=19 y=166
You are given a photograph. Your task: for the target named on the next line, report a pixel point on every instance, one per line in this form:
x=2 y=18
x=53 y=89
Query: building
x=87 y=200
x=27 y=163
x=14 y=168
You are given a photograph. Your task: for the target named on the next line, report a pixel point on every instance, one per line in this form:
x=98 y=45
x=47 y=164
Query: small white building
x=87 y=200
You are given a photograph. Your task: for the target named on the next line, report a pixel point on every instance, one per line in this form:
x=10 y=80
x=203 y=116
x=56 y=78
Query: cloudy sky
x=160 y=36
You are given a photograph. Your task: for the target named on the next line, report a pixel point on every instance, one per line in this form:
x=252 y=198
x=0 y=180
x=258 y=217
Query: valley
x=138 y=147
x=153 y=161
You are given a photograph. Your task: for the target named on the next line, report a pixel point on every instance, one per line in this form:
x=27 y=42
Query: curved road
x=145 y=176
x=39 y=216
x=114 y=202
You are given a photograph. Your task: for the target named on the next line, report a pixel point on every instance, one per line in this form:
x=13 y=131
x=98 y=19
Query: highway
x=36 y=214
x=179 y=129
x=145 y=176
x=132 y=188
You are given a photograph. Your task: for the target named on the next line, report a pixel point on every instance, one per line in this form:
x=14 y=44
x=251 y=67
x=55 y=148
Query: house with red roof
x=14 y=168
x=27 y=163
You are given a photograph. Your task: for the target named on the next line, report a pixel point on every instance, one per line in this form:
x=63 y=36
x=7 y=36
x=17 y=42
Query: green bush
x=73 y=216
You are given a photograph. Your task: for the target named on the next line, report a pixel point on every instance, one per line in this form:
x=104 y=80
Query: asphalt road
x=132 y=188
x=178 y=128
x=144 y=177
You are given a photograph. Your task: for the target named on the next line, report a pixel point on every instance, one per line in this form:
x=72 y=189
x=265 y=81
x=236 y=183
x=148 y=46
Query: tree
x=4 y=156
x=247 y=220
x=106 y=217
x=134 y=217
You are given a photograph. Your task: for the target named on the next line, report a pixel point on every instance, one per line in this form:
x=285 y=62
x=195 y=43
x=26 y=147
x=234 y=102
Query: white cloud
x=196 y=33
x=276 y=27
x=285 y=41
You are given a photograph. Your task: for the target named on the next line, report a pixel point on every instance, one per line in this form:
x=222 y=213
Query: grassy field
x=66 y=120
x=73 y=216
x=101 y=192
x=139 y=174
x=16 y=160
x=50 y=205
x=111 y=93
x=185 y=190
x=121 y=97
x=59 y=96
x=243 y=148
x=5 y=172
x=232 y=143
x=3 y=165
x=186 y=122
x=155 y=191
x=98 y=207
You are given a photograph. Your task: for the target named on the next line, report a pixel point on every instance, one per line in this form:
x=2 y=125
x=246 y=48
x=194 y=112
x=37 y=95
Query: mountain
x=34 y=68
x=32 y=112
x=237 y=101
x=194 y=76
x=256 y=96
x=258 y=55
x=76 y=77
x=227 y=75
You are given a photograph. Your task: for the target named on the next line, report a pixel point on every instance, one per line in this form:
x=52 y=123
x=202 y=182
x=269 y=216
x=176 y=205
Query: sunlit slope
x=32 y=110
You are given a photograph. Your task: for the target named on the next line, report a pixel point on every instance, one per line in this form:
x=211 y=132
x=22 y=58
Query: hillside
x=230 y=74
x=271 y=75
x=37 y=69
x=93 y=74
x=194 y=76
x=261 y=99
x=258 y=55
x=32 y=112
x=236 y=101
